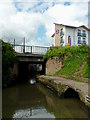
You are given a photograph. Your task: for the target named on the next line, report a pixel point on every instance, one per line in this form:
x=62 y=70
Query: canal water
x=37 y=101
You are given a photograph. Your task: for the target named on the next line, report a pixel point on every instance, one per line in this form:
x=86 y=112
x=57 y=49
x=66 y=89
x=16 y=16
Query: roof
x=73 y=26
x=66 y=25
x=84 y=27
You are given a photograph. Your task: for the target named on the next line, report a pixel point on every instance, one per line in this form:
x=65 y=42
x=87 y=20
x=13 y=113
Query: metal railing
x=30 y=49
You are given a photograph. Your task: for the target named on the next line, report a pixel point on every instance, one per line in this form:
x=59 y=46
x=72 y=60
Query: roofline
x=66 y=25
x=84 y=27
x=73 y=26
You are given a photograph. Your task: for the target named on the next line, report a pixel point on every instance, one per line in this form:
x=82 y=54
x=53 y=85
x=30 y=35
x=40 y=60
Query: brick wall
x=53 y=65
x=57 y=36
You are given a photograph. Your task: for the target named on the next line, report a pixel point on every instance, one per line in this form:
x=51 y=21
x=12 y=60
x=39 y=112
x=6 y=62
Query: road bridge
x=30 y=59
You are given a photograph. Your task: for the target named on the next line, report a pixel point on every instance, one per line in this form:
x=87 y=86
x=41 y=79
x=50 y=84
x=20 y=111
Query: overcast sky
x=33 y=19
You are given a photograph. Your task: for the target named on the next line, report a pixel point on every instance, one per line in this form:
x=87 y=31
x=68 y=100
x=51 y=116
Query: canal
x=37 y=101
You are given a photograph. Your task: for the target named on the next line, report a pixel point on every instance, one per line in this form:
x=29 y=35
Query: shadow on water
x=37 y=101
x=27 y=73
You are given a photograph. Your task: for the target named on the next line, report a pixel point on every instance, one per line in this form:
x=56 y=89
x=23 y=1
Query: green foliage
x=72 y=63
x=8 y=54
x=84 y=71
x=65 y=51
x=9 y=57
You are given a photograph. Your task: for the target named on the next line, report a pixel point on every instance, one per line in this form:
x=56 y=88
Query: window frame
x=79 y=32
x=79 y=41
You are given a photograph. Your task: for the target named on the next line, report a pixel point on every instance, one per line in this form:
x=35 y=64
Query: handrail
x=29 y=46
x=30 y=49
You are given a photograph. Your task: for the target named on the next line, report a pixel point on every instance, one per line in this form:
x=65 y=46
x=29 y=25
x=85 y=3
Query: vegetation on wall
x=72 y=64
x=73 y=58
x=9 y=57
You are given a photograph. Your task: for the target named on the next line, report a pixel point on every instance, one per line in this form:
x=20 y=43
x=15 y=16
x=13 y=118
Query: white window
x=62 y=32
x=79 y=40
x=62 y=39
x=79 y=33
x=84 y=33
x=84 y=41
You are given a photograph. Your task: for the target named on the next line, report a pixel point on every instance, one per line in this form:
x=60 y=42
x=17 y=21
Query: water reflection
x=37 y=101
x=39 y=112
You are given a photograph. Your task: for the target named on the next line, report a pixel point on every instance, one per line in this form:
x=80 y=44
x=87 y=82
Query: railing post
x=24 y=46
x=31 y=49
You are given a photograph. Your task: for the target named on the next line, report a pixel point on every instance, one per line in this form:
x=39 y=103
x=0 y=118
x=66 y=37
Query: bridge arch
x=70 y=92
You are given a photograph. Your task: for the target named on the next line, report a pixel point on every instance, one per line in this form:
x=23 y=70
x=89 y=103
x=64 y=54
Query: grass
x=76 y=79
x=84 y=71
x=72 y=63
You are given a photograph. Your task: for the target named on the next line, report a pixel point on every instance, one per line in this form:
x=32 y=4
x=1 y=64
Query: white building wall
x=76 y=36
x=70 y=32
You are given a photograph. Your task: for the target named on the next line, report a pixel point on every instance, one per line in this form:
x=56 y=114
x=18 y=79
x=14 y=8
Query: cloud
x=23 y=18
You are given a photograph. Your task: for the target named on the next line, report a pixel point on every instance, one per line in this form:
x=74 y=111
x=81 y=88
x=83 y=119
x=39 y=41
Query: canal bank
x=66 y=87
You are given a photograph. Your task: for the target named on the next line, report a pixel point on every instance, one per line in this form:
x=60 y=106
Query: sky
x=33 y=19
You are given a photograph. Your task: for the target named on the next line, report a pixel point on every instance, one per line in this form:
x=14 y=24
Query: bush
x=65 y=51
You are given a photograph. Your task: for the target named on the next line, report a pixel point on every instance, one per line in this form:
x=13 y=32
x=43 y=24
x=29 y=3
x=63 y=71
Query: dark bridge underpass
x=30 y=65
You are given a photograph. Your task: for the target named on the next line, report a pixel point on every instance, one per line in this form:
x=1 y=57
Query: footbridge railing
x=30 y=49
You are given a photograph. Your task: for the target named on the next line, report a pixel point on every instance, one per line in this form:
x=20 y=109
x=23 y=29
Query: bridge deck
x=33 y=58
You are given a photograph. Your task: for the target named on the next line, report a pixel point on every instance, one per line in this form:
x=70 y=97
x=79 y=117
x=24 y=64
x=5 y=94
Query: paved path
x=80 y=87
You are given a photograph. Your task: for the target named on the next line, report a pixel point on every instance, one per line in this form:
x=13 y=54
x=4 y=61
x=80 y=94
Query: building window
x=79 y=33
x=62 y=39
x=84 y=33
x=84 y=41
x=69 y=40
x=79 y=40
x=62 y=32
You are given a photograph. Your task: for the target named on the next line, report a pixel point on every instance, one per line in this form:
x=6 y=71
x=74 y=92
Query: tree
x=9 y=57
